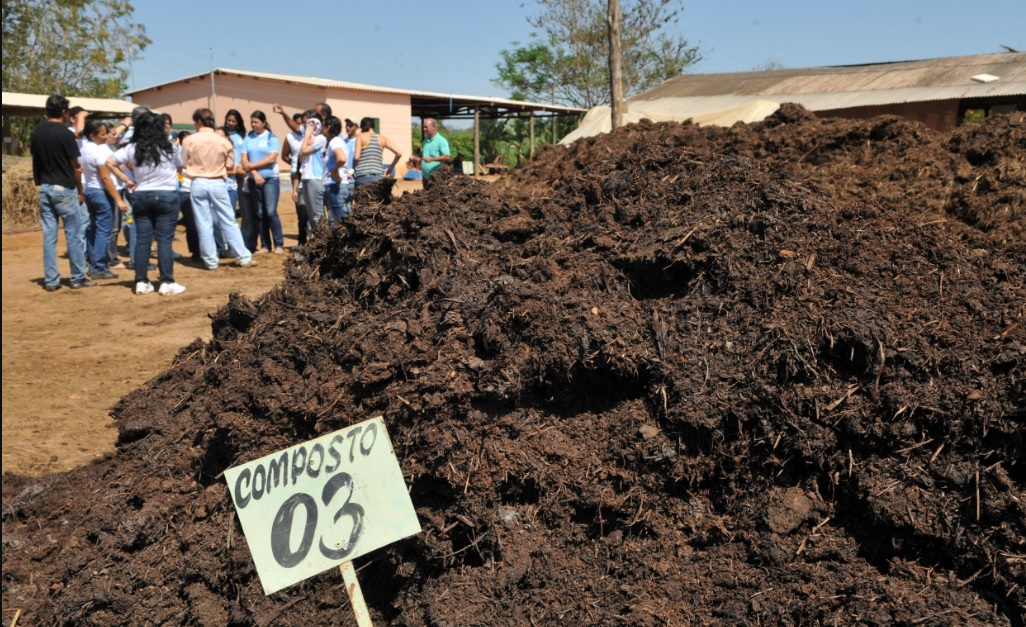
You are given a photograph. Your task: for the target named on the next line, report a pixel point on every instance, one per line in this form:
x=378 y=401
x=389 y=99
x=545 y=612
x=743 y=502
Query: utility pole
x=552 y=117
x=615 y=67
x=213 y=92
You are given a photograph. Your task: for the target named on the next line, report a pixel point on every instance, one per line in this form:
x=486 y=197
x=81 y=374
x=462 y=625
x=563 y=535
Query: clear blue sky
x=452 y=46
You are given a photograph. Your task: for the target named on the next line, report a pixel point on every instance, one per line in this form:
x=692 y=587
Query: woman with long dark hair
x=234 y=130
x=260 y=162
x=156 y=162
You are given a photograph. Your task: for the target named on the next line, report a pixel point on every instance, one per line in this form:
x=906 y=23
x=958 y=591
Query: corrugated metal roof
x=35 y=104
x=827 y=88
x=700 y=105
x=336 y=84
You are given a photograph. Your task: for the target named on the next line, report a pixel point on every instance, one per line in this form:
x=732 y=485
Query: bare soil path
x=68 y=356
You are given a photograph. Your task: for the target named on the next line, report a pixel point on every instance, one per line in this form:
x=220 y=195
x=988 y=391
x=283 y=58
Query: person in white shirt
x=101 y=196
x=311 y=167
x=337 y=189
x=155 y=205
x=113 y=263
x=290 y=155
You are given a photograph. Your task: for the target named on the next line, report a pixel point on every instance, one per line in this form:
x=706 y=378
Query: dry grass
x=20 y=195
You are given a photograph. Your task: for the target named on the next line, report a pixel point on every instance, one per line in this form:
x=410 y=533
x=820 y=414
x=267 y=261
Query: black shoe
x=80 y=284
x=106 y=274
x=52 y=288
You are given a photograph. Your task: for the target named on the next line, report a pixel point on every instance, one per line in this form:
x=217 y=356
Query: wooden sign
x=313 y=506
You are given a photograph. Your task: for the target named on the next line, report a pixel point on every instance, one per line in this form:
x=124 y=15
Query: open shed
x=223 y=89
x=18 y=104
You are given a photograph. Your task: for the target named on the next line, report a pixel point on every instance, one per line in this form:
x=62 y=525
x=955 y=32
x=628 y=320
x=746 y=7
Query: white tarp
x=599 y=120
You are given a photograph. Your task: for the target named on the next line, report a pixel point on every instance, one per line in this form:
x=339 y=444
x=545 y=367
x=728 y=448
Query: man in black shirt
x=56 y=171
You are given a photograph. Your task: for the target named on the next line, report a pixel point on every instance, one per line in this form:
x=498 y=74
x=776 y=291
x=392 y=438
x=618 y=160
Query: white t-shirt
x=92 y=157
x=336 y=143
x=313 y=164
x=295 y=140
x=163 y=177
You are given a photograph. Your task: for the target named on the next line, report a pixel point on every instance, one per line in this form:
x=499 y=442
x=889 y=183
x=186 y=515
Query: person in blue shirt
x=260 y=162
x=413 y=172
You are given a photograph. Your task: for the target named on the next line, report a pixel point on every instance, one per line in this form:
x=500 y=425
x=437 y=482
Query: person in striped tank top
x=368 y=154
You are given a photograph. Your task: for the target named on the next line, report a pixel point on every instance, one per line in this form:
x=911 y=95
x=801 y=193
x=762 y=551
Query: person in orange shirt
x=208 y=158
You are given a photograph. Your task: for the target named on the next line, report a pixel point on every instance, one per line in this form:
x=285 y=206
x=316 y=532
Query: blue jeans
x=101 y=217
x=210 y=206
x=233 y=199
x=340 y=198
x=58 y=203
x=367 y=179
x=156 y=215
x=264 y=202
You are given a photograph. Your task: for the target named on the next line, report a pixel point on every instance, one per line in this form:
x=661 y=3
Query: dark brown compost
x=769 y=374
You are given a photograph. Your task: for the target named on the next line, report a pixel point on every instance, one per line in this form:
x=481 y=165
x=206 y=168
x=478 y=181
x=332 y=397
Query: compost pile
x=768 y=374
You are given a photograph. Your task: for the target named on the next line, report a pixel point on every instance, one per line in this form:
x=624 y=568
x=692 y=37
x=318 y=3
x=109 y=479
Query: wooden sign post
x=322 y=504
x=363 y=618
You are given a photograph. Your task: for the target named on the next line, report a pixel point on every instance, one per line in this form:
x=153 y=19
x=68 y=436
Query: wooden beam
x=477 y=141
x=530 y=125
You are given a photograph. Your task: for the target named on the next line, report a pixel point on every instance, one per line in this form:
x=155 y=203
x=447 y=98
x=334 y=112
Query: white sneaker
x=247 y=264
x=143 y=287
x=168 y=289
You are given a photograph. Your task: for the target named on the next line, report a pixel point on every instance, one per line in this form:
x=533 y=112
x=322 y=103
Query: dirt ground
x=767 y=375
x=69 y=356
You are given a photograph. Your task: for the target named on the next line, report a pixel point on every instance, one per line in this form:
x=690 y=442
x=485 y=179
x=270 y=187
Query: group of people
x=140 y=177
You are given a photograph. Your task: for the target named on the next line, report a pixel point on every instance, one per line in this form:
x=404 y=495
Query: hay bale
x=20 y=195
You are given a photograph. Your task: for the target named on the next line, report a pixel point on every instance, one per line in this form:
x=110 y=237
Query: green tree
x=70 y=47
x=567 y=59
x=528 y=72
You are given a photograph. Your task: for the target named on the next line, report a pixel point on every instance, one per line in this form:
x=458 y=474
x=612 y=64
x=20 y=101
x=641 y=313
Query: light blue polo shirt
x=258 y=147
x=238 y=144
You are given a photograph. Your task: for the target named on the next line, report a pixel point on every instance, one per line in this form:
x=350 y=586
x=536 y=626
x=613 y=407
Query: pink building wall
x=247 y=94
